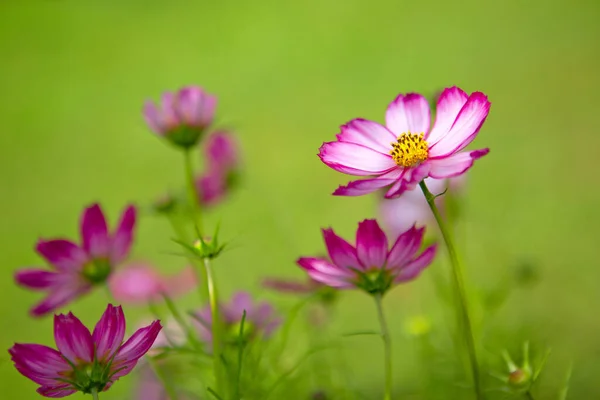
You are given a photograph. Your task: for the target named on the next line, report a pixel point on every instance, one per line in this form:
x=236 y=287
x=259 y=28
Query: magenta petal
x=371 y=244
x=221 y=152
x=409 y=180
x=408 y=113
x=154 y=118
x=355 y=159
x=365 y=186
x=138 y=344
x=60 y=295
x=342 y=253
x=465 y=128
x=407 y=244
x=321 y=271
x=57 y=391
x=455 y=164
x=62 y=254
x=109 y=333
x=369 y=134
x=449 y=104
x=41 y=364
x=120 y=370
x=195 y=107
x=73 y=339
x=123 y=236
x=94 y=232
x=415 y=267
x=35 y=278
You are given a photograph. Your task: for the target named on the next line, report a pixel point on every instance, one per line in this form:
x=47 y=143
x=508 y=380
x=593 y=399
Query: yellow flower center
x=410 y=149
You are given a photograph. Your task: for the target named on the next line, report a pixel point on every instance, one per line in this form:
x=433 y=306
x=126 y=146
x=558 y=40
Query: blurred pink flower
x=399 y=214
x=84 y=361
x=370 y=265
x=405 y=151
x=76 y=269
x=261 y=319
x=292 y=286
x=141 y=283
x=222 y=165
x=183 y=116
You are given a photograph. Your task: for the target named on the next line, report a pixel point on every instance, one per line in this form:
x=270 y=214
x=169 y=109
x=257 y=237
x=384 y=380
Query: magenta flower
x=370 y=265
x=222 y=167
x=76 y=269
x=405 y=151
x=181 y=117
x=84 y=361
x=261 y=319
x=141 y=283
x=399 y=214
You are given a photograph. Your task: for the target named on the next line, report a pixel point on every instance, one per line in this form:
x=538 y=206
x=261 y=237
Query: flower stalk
x=213 y=299
x=95 y=394
x=459 y=286
x=387 y=346
x=192 y=194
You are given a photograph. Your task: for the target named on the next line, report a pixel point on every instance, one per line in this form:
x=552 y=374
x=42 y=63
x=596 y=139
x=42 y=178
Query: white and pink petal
x=456 y=164
x=408 y=114
x=367 y=133
x=355 y=159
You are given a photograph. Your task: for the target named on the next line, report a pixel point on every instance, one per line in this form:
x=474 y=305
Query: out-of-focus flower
x=84 y=361
x=292 y=286
x=405 y=151
x=411 y=208
x=183 y=116
x=222 y=168
x=261 y=319
x=141 y=283
x=418 y=325
x=76 y=269
x=369 y=265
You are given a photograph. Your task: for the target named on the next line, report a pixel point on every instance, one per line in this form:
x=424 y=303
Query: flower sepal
x=375 y=282
x=184 y=136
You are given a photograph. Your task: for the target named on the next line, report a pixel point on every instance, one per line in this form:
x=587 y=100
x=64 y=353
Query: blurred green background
x=74 y=75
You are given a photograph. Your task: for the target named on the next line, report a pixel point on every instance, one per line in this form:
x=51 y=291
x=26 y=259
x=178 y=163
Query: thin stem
x=194 y=203
x=529 y=395
x=94 y=394
x=459 y=285
x=387 y=347
x=171 y=392
x=213 y=299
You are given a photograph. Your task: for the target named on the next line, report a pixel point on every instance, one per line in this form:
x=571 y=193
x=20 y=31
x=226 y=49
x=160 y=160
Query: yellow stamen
x=410 y=149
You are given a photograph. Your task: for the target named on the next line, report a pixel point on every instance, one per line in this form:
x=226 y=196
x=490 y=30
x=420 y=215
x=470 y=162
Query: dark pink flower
x=141 y=283
x=405 y=151
x=84 y=360
x=77 y=268
x=370 y=265
x=181 y=117
x=261 y=319
x=222 y=166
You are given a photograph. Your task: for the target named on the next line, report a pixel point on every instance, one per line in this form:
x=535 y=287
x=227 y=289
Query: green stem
x=387 y=347
x=529 y=395
x=171 y=393
x=459 y=285
x=213 y=299
x=94 y=394
x=194 y=203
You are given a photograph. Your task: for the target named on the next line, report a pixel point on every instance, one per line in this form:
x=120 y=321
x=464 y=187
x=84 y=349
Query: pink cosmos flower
x=222 y=165
x=261 y=319
x=76 y=269
x=84 y=361
x=399 y=214
x=141 y=283
x=182 y=116
x=370 y=265
x=405 y=151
